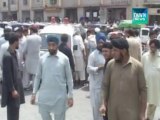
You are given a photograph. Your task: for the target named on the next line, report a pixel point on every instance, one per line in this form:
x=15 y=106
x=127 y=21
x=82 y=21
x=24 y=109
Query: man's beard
x=52 y=52
x=17 y=47
x=100 y=49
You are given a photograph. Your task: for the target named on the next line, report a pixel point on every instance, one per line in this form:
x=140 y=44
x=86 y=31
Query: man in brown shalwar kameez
x=124 y=87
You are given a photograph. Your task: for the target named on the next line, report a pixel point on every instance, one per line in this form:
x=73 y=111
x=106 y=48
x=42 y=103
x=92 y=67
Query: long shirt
x=52 y=79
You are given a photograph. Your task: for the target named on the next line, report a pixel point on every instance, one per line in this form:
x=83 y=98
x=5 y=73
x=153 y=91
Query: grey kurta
x=54 y=74
x=122 y=88
x=32 y=53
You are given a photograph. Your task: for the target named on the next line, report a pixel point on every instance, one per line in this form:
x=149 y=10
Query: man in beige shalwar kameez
x=151 y=65
x=124 y=87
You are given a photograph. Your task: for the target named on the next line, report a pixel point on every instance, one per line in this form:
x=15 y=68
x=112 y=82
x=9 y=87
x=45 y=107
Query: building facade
x=103 y=10
x=153 y=10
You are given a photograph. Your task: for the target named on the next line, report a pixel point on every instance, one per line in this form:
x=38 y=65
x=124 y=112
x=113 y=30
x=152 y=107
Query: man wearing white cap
x=79 y=57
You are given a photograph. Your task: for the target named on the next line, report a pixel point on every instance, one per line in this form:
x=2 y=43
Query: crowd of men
x=122 y=72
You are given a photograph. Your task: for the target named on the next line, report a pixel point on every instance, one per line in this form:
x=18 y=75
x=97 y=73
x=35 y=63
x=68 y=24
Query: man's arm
x=91 y=68
x=142 y=91
x=69 y=78
x=106 y=84
x=105 y=90
x=37 y=83
x=38 y=78
x=71 y=60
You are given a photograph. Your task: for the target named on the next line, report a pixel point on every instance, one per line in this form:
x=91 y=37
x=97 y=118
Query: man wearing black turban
x=124 y=88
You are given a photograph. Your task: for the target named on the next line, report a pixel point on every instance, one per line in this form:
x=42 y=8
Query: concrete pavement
x=80 y=111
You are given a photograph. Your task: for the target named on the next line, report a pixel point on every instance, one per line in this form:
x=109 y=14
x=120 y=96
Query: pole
x=9 y=10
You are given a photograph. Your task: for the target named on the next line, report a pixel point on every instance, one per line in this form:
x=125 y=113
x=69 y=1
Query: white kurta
x=78 y=54
x=32 y=53
x=151 y=66
x=3 y=49
x=95 y=60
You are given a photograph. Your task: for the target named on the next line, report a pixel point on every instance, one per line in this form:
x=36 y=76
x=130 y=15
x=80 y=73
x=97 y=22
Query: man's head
x=154 y=45
x=34 y=29
x=120 y=48
x=64 y=38
x=52 y=44
x=25 y=31
x=89 y=32
x=130 y=33
x=152 y=34
x=6 y=33
x=107 y=50
x=100 y=39
x=19 y=31
x=14 y=40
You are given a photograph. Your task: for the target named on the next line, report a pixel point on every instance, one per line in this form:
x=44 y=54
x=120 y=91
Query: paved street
x=80 y=111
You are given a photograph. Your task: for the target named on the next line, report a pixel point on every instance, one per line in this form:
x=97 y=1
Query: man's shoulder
x=62 y=55
x=135 y=62
x=111 y=62
x=7 y=54
x=33 y=37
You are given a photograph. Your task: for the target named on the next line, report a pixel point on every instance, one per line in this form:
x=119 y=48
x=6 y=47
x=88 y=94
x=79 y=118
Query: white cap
x=8 y=27
x=16 y=28
x=115 y=25
x=97 y=30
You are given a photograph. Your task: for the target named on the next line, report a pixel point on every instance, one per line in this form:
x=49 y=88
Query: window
x=52 y=2
x=4 y=4
x=12 y=2
x=25 y=2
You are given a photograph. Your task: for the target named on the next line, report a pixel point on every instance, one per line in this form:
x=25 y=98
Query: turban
x=52 y=38
x=120 y=43
x=101 y=37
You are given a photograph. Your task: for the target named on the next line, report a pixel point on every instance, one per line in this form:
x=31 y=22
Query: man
x=54 y=75
x=124 y=87
x=12 y=90
x=135 y=47
x=95 y=68
x=31 y=56
x=151 y=61
x=107 y=52
x=66 y=50
x=79 y=57
x=90 y=43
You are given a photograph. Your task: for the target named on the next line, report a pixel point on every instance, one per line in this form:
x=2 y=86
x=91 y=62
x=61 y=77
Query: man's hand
x=101 y=67
x=15 y=94
x=102 y=110
x=70 y=102
x=33 y=99
x=142 y=117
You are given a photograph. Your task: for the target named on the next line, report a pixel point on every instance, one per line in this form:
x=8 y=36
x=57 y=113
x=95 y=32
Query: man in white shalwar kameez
x=151 y=64
x=52 y=80
x=31 y=54
x=79 y=57
x=95 y=68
